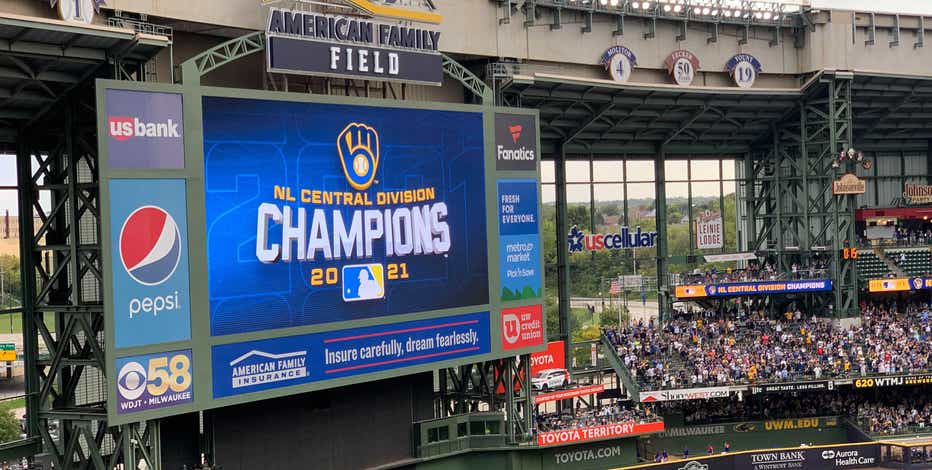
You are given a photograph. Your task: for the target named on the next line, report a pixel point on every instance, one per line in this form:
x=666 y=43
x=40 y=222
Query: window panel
x=675 y=170
x=577 y=171
x=610 y=171
x=640 y=170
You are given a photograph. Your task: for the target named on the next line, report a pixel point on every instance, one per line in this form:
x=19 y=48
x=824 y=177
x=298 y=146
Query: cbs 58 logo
x=155 y=376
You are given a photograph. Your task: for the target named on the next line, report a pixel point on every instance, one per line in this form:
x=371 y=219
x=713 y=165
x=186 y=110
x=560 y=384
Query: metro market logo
x=258 y=367
x=125 y=128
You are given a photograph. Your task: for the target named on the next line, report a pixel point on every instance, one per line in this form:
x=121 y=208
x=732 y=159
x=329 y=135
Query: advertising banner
x=710 y=231
x=154 y=381
x=352 y=47
x=149 y=261
x=522 y=327
x=889 y=285
x=753 y=288
x=894 y=381
x=352 y=214
x=565 y=394
x=793 y=387
x=518 y=239
x=591 y=433
x=515 y=142
x=596 y=455
x=7 y=352
x=551 y=358
x=252 y=366
x=899 y=284
x=685 y=394
x=835 y=457
x=145 y=130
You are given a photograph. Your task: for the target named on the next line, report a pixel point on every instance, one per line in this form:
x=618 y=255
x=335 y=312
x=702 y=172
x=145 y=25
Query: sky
x=7 y=178
x=914 y=7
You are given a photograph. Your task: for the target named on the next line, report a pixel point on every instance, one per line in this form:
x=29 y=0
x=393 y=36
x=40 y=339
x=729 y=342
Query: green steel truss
x=63 y=314
x=500 y=385
x=793 y=214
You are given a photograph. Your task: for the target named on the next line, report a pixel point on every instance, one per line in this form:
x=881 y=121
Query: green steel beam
x=660 y=206
x=563 y=275
x=230 y=51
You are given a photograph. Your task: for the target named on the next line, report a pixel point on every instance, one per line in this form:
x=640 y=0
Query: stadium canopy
x=603 y=117
x=41 y=60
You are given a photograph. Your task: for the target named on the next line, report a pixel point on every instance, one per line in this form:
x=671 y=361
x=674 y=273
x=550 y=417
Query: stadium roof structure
x=41 y=60
x=599 y=117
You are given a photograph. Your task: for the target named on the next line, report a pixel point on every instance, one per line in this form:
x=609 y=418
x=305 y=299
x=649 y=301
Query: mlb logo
x=363 y=282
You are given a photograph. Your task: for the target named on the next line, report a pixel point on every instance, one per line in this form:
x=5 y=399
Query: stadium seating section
x=918 y=261
x=870 y=266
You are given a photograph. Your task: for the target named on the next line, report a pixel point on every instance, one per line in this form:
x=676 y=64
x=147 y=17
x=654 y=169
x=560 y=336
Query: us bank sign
x=356 y=47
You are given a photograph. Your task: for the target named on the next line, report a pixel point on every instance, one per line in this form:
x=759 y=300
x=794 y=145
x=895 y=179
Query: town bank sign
x=578 y=241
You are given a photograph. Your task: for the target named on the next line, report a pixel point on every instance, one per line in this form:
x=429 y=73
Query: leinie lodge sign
x=849 y=183
x=351 y=47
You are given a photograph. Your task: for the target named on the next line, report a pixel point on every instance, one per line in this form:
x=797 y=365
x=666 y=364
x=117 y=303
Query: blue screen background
x=250 y=146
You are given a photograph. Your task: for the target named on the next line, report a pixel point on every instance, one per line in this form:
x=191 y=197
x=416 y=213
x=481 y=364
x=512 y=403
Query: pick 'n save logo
x=150 y=245
x=125 y=128
x=358 y=147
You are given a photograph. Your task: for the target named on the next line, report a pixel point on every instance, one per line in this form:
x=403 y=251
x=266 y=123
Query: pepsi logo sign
x=150 y=245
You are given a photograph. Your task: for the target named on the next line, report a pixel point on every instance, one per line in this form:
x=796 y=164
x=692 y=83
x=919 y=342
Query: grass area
x=13 y=322
x=11 y=404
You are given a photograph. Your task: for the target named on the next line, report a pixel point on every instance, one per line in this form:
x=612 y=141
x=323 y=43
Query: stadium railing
x=435 y=437
x=632 y=387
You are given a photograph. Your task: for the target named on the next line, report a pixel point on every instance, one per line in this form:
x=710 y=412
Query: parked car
x=548 y=379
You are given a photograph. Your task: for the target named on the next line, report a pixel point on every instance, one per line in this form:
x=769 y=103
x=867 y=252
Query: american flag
x=615 y=287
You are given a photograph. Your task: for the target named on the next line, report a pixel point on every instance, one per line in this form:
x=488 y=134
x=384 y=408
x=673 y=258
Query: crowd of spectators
x=901 y=236
x=715 y=349
x=907 y=411
x=898 y=413
x=757 y=271
x=913 y=235
x=582 y=417
x=762 y=407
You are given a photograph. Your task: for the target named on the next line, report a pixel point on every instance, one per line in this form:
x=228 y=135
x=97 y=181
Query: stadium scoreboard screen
x=265 y=244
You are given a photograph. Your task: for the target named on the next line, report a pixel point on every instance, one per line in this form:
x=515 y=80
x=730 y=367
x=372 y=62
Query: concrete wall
x=592 y=456
x=472 y=29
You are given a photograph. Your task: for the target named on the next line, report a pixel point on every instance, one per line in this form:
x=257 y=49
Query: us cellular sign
x=295 y=244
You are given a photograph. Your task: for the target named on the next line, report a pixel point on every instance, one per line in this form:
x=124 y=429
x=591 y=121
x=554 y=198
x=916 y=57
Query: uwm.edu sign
x=592 y=433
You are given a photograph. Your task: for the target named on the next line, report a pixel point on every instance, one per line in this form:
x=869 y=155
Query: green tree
x=9 y=427
x=9 y=270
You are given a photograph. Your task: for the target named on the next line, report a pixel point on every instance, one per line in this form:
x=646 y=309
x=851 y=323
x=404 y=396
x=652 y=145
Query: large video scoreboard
x=263 y=244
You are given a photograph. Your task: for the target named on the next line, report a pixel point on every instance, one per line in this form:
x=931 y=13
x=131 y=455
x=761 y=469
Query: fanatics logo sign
x=515 y=142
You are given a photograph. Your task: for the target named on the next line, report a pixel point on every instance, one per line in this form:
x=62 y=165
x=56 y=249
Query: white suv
x=551 y=378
